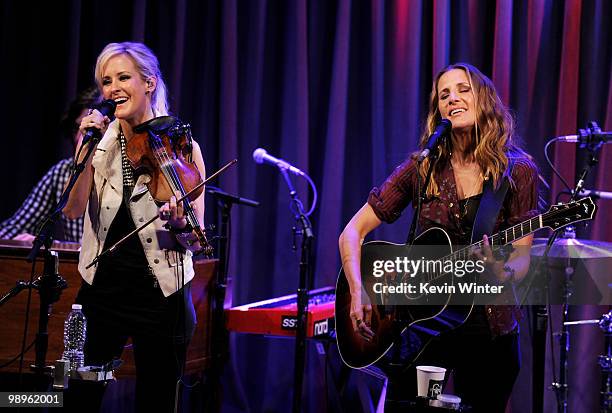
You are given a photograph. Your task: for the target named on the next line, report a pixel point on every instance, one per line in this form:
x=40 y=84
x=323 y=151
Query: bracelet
x=510 y=271
x=186 y=238
x=187 y=229
x=503 y=253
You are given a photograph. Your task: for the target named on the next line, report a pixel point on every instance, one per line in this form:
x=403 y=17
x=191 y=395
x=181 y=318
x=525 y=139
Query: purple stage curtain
x=339 y=89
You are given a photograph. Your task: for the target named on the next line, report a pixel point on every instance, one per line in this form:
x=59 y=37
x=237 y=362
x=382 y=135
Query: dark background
x=337 y=88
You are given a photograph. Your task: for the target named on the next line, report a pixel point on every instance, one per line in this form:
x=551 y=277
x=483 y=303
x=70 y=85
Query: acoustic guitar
x=420 y=317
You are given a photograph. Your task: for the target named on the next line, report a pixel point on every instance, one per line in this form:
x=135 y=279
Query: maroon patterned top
x=400 y=188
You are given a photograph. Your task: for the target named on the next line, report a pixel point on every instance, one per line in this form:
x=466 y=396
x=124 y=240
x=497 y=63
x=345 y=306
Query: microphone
x=106 y=108
x=436 y=138
x=592 y=134
x=261 y=156
x=605 y=137
x=596 y=194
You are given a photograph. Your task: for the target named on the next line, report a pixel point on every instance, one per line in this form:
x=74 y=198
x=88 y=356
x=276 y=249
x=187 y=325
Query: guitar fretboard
x=502 y=238
x=555 y=218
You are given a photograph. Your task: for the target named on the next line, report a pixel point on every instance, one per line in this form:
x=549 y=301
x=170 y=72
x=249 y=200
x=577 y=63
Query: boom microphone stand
x=50 y=284
x=302 y=293
x=433 y=158
x=561 y=386
x=396 y=357
x=541 y=317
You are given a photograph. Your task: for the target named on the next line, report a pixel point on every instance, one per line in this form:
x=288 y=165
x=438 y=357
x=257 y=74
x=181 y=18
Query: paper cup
x=430 y=380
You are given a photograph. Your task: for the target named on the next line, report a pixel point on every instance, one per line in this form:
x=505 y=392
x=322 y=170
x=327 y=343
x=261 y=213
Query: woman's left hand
x=173 y=213
x=492 y=264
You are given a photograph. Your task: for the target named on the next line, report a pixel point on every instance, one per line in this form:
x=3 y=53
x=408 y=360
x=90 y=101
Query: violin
x=162 y=148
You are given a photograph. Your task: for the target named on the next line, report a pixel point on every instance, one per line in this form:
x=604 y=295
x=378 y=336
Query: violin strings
x=172 y=177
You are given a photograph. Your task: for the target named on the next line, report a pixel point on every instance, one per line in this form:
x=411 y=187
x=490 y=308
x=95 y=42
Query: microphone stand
x=561 y=386
x=542 y=315
x=433 y=158
x=302 y=293
x=396 y=359
x=219 y=333
x=50 y=284
x=44 y=234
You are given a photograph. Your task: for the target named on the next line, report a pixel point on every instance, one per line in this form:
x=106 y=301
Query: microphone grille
x=258 y=155
x=107 y=107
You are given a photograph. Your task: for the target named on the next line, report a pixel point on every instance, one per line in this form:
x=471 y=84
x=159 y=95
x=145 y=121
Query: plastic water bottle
x=75 y=331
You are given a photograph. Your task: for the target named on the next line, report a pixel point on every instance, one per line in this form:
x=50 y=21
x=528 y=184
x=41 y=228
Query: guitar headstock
x=561 y=215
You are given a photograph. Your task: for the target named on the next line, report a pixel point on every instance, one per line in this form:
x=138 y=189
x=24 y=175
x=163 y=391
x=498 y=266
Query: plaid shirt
x=40 y=203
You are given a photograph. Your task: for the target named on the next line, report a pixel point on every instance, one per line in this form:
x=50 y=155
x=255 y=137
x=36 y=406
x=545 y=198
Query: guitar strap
x=488 y=210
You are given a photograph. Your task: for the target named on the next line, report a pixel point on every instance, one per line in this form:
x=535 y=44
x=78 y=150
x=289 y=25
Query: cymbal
x=572 y=248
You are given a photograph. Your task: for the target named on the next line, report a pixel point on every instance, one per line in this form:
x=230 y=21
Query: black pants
x=485 y=368
x=160 y=328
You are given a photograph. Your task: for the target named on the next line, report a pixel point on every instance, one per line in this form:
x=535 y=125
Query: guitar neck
x=503 y=237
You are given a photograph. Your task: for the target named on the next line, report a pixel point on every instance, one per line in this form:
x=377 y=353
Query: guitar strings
x=466 y=251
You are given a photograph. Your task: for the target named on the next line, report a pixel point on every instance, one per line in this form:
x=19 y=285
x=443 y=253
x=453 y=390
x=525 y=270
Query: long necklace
x=467 y=198
x=465 y=207
x=126 y=169
x=128 y=173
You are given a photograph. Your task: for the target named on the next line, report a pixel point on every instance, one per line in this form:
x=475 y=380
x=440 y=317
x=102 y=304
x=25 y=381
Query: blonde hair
x=494 y=142
x=147 y=65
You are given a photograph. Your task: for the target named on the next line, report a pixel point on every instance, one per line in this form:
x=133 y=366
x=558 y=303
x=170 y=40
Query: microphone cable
x=552 y=166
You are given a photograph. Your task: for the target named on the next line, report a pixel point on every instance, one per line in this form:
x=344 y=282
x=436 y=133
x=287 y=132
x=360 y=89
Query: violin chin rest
x=157 y=125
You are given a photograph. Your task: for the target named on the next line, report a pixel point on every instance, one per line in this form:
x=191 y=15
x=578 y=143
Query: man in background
x=26 y=221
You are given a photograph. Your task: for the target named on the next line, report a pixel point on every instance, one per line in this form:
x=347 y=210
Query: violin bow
x=153 y=219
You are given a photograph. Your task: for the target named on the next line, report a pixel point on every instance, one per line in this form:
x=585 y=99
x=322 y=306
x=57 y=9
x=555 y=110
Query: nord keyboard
x=278 y=316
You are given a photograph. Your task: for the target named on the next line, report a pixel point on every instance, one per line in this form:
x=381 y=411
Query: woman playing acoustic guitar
x=484 y=351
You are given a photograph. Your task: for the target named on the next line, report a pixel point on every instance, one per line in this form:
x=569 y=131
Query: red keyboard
x=278 y=316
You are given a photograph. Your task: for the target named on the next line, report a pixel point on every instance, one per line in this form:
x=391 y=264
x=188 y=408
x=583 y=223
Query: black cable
x=560 y=194
x=227 y=249
x=73 y=167
x=25 y=325
x=414 y=225
x=552 y=345
x=552 y=166
x=181 y=315
x=76 y=157
x=177 y=320
x=325 y=379
x=237 y=381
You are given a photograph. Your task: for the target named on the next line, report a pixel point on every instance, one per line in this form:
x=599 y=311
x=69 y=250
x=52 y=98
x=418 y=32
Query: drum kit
x=595 y=257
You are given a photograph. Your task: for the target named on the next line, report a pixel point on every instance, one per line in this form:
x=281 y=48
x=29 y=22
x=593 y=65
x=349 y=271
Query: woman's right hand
x=79 y=196
x=361 y=316
x=362 y=223
x=94 y=120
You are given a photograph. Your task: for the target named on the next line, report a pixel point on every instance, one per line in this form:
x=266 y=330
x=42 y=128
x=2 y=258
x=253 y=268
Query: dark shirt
x=444 y=211
x=469 y=208
x=129 y=257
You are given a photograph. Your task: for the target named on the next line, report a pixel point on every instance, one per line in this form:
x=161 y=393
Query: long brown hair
x=494 y=140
